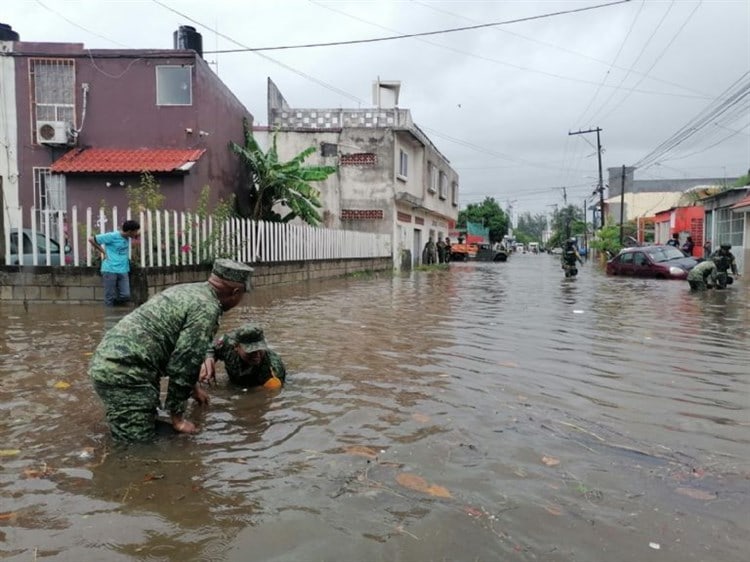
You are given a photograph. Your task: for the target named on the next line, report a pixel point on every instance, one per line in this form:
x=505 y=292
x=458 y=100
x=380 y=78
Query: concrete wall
x=83 y=285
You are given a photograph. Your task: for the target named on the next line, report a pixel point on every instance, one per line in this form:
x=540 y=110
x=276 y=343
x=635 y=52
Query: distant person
x=440 y=250
x=430 y=252
x=688 y=246
x=447 y=249
x=114 y=248
x=707 y=249
x=674 y=241
x=570 y=256
x=702 y=276
x=247 y=359
x=167 y=336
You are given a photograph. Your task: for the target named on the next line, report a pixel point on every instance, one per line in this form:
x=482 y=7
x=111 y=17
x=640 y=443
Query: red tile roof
x=132 y=160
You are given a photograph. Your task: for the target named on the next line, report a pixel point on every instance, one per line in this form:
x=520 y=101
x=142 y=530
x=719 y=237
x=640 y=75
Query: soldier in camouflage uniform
x=247 y=359
x=702 y=276
x=167 y=336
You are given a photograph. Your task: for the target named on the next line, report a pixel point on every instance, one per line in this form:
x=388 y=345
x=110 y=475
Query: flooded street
x=485 y=412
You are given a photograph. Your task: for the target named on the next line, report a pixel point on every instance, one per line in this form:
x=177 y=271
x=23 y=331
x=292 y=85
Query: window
x=728 y=228
x=328 y=149
x=640 y=259
x=49 y=196
x=403 y=165
x=454 y=194
x=443 y=186
x=432 y=177
x=52 y=84
x=174 y=85
x=626 y=259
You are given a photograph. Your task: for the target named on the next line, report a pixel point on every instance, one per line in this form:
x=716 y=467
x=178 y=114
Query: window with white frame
x=432 y=177
x=443 y=185
x=454 y=194
x=174 y=85
x=403 y=164
x=49 y=196
x=728 y=227
x=52 y=86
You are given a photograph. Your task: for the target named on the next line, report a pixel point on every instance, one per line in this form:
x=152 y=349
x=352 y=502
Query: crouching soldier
x=247 y=359
x=702 y=276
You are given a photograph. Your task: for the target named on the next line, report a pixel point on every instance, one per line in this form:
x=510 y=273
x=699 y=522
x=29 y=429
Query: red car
x=661 y=262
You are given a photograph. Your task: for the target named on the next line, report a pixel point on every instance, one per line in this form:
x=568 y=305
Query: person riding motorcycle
x=725 y=261
x=570 y=257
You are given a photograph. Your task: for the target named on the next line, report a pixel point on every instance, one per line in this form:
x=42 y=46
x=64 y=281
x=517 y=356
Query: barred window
x=52 y=84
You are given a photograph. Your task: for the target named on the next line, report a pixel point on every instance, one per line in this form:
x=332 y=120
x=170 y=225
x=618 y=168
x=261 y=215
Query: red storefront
x=685 y=221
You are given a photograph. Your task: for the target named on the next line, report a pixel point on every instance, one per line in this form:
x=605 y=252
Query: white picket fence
x=178 y=238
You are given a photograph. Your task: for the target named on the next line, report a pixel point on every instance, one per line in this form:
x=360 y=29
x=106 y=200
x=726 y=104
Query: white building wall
x=8 y=134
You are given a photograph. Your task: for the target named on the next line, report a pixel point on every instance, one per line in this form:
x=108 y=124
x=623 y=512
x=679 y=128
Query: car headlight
x=676 y=271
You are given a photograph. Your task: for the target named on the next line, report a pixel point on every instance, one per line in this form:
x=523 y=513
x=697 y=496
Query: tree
x=530 y=229
x=271 y=182
x=566 y=222
x=487 y=213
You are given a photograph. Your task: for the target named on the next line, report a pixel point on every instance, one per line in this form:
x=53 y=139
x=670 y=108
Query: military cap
x=233 y=271
x=250 y=338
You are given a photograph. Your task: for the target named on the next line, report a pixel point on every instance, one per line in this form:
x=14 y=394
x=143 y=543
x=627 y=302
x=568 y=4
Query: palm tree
x=271 y=182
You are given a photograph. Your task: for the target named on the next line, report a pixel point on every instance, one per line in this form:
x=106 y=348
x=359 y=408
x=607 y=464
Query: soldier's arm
x=190 y=351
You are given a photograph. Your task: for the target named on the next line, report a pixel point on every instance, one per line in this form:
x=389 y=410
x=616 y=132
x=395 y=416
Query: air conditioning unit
x=54 y=132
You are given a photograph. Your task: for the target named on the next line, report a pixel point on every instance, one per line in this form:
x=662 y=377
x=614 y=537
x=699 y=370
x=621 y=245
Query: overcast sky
x=497 y=101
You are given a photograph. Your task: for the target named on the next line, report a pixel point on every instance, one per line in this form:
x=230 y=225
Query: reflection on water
x=486 y=412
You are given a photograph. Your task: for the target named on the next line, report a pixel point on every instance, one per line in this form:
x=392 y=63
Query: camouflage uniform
x=701 y=274
x=167 y=336
x=239 y=372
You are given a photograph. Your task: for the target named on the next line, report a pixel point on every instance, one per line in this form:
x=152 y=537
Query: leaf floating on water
x=509 y=364
x=361 y=451
x=421 y=418
x=6 y=516
x=88 y=354
x=61 y=385
x=9 y=452
x=473 y=511
x=439 y=491
x=419 y=484
x=696 y=494
x=553 y=509
x=550 y=461
x=150 y=476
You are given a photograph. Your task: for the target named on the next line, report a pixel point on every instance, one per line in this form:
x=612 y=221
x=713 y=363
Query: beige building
x=390 y=178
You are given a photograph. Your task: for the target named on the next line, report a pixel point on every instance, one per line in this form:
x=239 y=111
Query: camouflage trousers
x=697 y=285
x=131 y=410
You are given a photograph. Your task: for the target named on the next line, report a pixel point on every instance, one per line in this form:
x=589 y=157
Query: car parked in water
x=661 y=262
x=27 y=248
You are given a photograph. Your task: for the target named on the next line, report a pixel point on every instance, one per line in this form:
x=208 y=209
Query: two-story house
x=391 y=178
x=79 y=125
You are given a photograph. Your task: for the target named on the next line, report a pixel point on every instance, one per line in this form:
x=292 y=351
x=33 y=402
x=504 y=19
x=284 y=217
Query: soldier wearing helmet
x=724 y=259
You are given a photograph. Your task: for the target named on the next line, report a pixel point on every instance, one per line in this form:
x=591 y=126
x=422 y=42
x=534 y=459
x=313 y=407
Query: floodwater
x=480 y=413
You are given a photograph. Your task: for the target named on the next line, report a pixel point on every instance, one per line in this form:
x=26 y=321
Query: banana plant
x=273 y=184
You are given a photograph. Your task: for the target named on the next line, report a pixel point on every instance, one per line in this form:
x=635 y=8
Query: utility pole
x=622 y=206
x=600 y=186
x=585 y=229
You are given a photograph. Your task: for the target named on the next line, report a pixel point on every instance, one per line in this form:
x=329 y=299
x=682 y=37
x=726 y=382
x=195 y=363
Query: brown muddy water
x=485 y=412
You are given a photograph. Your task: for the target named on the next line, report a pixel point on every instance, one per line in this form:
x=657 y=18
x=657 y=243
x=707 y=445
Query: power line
x=71 y=22
x=422 y=34
x=270 y=59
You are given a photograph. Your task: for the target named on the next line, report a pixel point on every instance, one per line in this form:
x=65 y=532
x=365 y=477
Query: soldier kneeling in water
x=247 y=359
x=702 y=276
